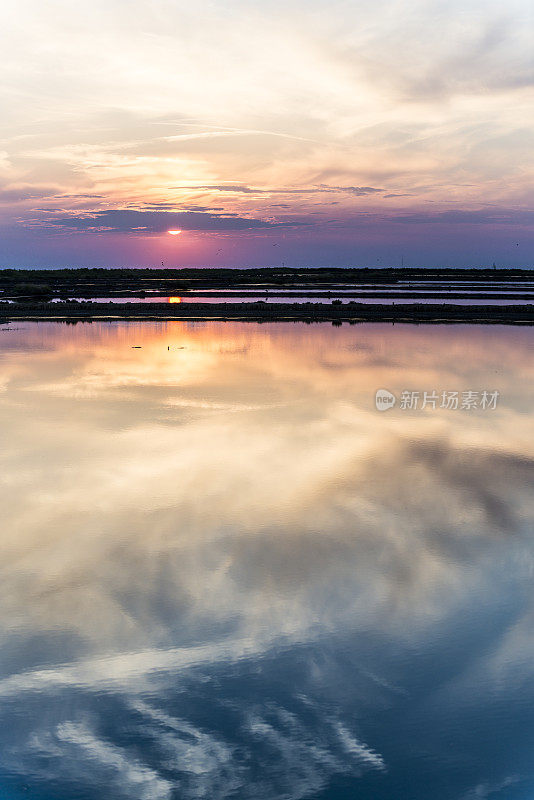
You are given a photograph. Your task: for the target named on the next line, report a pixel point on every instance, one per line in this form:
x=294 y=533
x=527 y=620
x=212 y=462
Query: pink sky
x=296 y=132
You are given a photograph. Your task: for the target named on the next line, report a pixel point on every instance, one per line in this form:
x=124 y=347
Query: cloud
x=359 y=191
x=308 y=753
x=484 y=790
x=17 y=194
x=130 y=776
x=225 y=187
x=147 y=222
x=172 y=207
x=498 y=216
x=473 y=63
x=290 y=750
x=224 y=132
x=5 y=163
x=238 y=188
x=126 y=671
x=203 y=589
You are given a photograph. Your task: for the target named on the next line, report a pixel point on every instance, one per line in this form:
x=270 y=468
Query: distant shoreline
x=269 y=312
x=31 y=293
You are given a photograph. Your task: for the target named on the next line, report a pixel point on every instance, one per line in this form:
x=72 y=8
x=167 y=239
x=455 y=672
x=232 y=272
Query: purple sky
x=290 y=132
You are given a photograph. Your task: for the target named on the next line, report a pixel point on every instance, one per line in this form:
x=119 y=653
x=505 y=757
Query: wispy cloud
x=238 y=188
x=268 y=753
x=127 y=671
x=128 y=775
x=488 y=789
x=494 y=216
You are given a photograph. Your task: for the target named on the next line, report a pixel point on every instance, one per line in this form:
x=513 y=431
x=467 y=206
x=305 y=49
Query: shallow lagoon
x=226 y=574
x=273 y=298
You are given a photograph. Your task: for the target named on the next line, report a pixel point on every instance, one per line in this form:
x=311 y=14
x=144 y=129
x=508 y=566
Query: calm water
x=225 y=574
x=221 y=298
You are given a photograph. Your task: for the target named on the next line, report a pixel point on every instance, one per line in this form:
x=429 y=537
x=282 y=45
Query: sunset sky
x=297 y=132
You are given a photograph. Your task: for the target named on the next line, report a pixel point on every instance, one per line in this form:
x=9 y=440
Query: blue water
x=225 y=574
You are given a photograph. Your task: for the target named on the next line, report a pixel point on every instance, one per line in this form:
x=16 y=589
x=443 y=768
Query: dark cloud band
x=132 y=221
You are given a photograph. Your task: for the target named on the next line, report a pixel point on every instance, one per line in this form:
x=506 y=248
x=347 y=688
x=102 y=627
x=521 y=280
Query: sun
x=174 y=233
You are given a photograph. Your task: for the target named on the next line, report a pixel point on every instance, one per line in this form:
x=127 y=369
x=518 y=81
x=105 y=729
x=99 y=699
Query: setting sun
x=174 y=233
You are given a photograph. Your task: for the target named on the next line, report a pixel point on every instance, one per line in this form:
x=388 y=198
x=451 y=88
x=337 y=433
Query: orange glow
x=174 y=233
x=175 y=299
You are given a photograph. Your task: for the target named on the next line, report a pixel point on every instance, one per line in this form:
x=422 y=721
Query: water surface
x=225 y=574
x=273 y=298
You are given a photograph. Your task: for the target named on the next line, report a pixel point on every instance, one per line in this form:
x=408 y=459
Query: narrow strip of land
x=88 y=283
x=271 y=312
x=320 y=295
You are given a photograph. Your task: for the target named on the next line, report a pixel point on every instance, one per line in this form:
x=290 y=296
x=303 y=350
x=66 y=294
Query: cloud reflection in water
x=224 y=574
